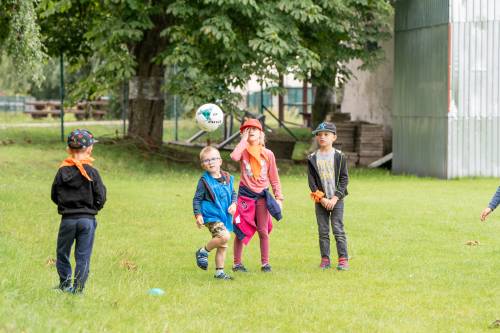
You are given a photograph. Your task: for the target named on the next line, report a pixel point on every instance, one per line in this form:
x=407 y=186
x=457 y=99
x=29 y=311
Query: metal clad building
x=446 y=116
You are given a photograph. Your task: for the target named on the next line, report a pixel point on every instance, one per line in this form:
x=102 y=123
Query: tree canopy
x=214 y=45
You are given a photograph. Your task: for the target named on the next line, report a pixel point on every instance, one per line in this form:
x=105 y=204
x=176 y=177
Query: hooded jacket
x=341 y=175
x=75 y=195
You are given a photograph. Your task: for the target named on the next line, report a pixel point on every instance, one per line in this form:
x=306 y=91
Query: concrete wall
x=368 y=95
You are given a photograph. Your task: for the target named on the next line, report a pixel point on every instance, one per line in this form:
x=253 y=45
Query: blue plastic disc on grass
x=156 y=292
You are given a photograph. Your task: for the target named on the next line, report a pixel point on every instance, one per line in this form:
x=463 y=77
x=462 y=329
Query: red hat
x=251 y=123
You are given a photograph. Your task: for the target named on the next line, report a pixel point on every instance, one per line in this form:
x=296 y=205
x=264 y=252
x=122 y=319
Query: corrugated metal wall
x=474 y=118
x=411 y=14
x=420 y=87
x=447 y=88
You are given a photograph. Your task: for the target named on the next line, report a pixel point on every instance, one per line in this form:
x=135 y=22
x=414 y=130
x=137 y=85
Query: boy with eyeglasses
x=214 y=203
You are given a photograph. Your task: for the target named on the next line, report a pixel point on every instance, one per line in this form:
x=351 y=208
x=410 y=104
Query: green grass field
x=411 y=270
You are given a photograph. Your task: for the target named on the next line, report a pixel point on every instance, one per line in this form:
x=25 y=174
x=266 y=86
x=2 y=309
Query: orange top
x=70 y=161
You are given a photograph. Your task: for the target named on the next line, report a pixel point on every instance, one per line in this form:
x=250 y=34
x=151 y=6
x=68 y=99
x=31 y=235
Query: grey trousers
x=336 y=218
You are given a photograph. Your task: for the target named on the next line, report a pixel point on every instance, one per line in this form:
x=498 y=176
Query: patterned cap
x=325 y=127
x=80 y=138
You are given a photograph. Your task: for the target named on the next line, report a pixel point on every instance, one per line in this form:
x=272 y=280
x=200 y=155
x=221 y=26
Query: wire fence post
x=61 y=90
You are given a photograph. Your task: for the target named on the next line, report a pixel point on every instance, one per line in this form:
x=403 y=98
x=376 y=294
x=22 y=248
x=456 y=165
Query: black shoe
x=240 y=268
x=266 y=268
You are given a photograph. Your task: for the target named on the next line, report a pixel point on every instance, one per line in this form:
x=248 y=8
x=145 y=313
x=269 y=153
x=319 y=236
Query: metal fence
x=13 y=103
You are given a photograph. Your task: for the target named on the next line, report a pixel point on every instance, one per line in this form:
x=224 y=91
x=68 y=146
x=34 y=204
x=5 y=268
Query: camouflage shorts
x=217 y=229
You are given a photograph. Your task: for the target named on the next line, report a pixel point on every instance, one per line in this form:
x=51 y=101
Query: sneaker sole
x=200 y=266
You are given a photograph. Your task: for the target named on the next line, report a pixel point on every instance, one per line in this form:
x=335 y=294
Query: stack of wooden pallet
x=346 y=132
x=369 y=143
x=361 y=142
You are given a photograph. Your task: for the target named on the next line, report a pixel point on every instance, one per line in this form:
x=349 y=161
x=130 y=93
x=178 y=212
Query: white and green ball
x=209 y=117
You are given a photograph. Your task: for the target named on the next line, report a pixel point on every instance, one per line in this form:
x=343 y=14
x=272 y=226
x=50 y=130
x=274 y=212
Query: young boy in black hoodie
x=328 y=179
x=79 y=194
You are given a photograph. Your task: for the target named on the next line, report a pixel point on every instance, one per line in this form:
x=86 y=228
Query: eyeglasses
x=209 y=160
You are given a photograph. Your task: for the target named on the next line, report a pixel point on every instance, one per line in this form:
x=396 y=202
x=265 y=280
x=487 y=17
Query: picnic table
x=42 y=109
x=94 y=109
x=83 y=110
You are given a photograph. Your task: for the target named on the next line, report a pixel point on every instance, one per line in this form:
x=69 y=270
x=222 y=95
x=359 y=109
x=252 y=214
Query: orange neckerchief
x=255 y=153
x=70 y=161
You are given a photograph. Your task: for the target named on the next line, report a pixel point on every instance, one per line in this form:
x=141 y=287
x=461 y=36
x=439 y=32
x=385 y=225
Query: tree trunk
x=324 y=103
x=146 y=100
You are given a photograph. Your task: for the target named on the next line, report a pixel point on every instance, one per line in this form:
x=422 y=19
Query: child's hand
x=199 y=221
x=280 y=203
x=232 y=209
x=244 y=135
x=329 y=204
x=325 y=203
x=334 y=201
x=485 y=213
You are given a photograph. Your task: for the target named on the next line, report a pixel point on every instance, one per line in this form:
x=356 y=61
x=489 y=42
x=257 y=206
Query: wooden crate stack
x=369 y=143
x=346 y=132
x=361 y=142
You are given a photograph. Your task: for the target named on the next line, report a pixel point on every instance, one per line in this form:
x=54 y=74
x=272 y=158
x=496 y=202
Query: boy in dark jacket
x=328 y=178
x=214 y=203
x=79 y=194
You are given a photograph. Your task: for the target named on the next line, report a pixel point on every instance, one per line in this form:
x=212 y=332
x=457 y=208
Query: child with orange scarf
x=258 y=171
x=79 y=194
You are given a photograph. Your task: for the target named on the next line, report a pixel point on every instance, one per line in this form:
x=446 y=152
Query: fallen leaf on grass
x=128 y=265
x=50 y=262
x=472 y=243
x=495 y=324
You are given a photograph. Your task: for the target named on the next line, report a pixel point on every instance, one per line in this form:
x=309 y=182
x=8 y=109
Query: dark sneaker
x=240 y=268
x=63 y=286
x=223 y=276
x=343 y=264
x=266 y=268
x=201 y=259
x=325 y=263
x=74 y=290
x=62 y=289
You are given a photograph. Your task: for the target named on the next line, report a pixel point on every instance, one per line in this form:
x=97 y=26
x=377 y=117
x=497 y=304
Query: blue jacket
x=213 y=198
x=495 y=201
